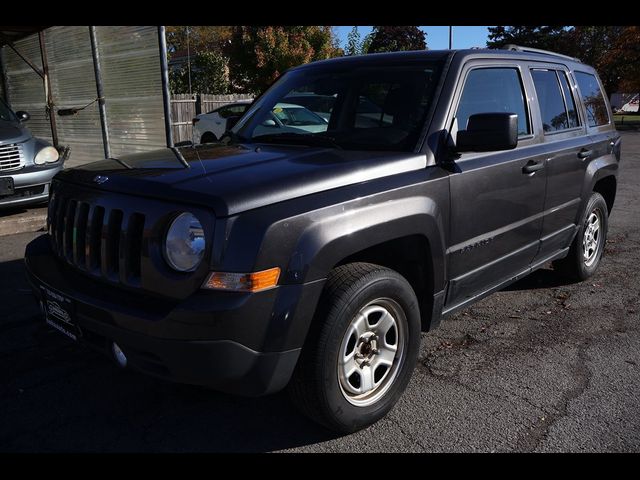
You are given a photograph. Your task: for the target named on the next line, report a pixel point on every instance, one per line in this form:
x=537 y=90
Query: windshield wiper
x=298 y=138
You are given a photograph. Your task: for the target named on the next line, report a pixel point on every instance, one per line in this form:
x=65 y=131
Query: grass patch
x=629 y=119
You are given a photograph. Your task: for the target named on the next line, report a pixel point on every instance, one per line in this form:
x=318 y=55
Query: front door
x=496 y=198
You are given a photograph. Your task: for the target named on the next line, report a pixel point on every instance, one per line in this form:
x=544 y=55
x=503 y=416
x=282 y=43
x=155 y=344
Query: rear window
x=593 y=99
x=556 y=103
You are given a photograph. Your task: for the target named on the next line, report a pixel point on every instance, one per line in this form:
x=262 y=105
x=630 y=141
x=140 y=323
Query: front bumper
x=245 y=344
x=31 y=184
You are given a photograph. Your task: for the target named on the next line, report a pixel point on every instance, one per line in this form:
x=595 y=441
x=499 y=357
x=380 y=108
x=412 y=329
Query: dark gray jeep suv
x=312 y=260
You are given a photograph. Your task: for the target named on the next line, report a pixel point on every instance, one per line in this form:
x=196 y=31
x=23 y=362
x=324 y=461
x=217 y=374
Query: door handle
x=532 y=166
x=584 y=153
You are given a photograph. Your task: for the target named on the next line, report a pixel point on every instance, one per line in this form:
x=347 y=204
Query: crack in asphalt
x=408 y=434
x=582 y=377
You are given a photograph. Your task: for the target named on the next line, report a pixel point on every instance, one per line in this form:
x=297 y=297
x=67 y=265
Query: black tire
x=574 y=265
x=315 y=388
x=208 y=137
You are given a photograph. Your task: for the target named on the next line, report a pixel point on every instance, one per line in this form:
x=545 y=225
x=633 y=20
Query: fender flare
x=323 y=244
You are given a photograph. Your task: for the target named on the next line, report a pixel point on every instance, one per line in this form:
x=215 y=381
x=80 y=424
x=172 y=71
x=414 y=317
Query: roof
x=10 y=34
x=373 y=59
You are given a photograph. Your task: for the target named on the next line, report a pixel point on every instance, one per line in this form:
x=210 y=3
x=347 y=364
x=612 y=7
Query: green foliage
x=554 y=38
x=259 y=54
x=396 y=38
x=209 y=74
x=211 y=38
x=353 y=42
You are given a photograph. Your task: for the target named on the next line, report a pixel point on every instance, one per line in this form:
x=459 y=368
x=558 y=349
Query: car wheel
x=208 y=137
x=361 y=349
x=588 y=245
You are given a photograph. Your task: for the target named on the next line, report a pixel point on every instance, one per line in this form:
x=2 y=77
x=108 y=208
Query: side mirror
x=232 y=120
x=487 y=132
x=23 y=116
x=269 y=123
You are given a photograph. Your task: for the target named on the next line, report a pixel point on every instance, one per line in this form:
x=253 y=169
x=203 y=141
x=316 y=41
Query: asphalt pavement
x=544 y=365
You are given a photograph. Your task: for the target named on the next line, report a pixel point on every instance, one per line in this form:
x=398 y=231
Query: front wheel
x=588 y=245
x=361 y=350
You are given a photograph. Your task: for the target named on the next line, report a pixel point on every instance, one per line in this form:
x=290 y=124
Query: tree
x=353 y=42
x=210 y=38
x=611 y=50
x=209 y=74
x=208 y=65
x=555 y=38
x=259 y=54
x=627 y=49
x=396 y=38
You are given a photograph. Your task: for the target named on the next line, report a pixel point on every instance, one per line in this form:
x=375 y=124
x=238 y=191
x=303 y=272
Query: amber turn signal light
x=243 y=282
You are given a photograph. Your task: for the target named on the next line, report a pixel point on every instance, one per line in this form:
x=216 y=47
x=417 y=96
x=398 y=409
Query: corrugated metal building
x=127 y=63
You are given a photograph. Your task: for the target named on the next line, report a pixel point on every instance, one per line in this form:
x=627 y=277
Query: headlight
x=184 y=244
x=46 y=155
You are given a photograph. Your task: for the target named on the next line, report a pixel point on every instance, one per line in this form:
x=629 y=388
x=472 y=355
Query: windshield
x=372 y=108
x=5 y=112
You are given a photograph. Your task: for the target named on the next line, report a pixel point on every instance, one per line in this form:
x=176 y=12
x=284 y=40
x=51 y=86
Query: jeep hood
x=235 y=178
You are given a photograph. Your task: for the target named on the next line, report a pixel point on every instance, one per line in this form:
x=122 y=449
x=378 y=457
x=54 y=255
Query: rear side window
x=593 y=99
x=493 y=90
x=556 y=103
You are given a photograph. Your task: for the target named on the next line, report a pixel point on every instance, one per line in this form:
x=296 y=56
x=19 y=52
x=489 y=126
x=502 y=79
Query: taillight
x=194 y=121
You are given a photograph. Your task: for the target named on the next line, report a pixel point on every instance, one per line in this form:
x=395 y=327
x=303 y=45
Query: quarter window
x=493 y=90
x=593 y=99
x=555 y=114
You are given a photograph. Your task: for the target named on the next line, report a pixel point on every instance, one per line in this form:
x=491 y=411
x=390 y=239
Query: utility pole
x=189 y=60
x=450 y=37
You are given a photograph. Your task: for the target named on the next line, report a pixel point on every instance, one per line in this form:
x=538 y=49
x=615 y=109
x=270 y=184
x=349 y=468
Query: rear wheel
x=361 y=350
x=588 y=245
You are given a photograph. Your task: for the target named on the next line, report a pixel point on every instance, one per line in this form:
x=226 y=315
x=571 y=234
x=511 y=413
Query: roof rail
x=519 y=48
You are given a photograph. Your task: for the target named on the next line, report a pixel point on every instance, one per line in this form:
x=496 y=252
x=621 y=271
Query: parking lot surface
x=544 y=365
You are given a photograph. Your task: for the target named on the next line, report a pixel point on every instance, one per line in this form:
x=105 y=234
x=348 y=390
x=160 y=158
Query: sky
x=437 y=37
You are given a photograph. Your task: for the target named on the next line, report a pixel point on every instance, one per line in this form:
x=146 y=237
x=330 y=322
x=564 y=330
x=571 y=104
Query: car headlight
x=184 y=244
x=46 y=155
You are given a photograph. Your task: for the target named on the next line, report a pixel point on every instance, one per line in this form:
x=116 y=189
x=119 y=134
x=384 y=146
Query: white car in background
x=209 y=127
x=285 y=117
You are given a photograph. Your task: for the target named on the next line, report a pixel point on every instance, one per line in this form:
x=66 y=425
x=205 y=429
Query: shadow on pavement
x=61 y=396
x=9 y=211
x=543 y=278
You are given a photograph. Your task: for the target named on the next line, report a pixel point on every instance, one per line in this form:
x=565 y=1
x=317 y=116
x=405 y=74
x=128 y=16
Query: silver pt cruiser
x=27 y=163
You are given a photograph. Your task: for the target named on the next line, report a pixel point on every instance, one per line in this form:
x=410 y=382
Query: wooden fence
x=184 y=107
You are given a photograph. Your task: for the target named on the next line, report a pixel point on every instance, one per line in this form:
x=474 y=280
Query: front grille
x=101 y=241
x=11 y=157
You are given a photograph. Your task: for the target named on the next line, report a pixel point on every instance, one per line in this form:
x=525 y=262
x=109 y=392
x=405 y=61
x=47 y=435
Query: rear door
x=566 y=147
x=496 y=206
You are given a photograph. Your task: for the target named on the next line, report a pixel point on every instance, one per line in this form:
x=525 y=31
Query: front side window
x=365 y=108
x=593 y=99
x=493 y=90
x=551 y=100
